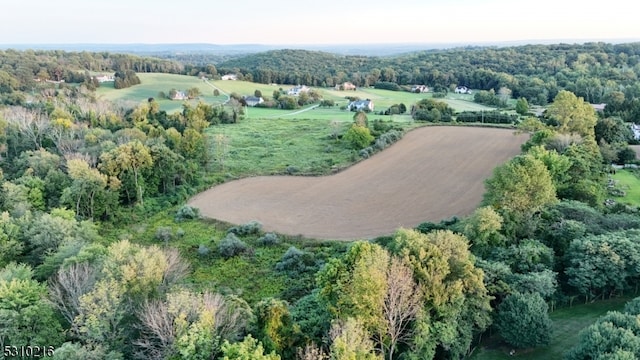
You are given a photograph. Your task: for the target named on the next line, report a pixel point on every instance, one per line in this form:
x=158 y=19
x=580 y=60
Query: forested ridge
x=598 y=72
x=76 y=170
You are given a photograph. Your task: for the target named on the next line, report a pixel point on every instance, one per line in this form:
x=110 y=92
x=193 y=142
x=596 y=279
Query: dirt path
x=431 y=174
x=293 y=113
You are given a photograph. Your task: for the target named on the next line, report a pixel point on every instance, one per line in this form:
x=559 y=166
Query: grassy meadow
x=153 y=83
x=261 y=146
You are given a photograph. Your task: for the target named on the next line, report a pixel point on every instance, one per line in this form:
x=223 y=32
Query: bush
x=250 y=228
x=231 y=246
x=358 y=136
x=296 y=261
x=488 y=117
x=203 y=250
x=187 y=212
x=268 y=239
x=387 y=85
x=164 y=233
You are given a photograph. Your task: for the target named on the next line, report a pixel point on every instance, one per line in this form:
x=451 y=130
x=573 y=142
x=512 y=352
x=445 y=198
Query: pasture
x=431 y=174
x=154 y=83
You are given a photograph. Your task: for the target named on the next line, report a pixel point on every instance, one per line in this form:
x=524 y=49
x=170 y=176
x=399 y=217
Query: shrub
x=164 y=233
x=250 y=228
x=268 y=239
x=187 y=212
x=295 y=261
x=231 y=246
x=358 y=136
x=180 y=232
x=203 y=250
x=387 y=85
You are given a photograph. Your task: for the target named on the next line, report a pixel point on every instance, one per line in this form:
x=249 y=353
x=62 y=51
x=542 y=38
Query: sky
x=313 y=22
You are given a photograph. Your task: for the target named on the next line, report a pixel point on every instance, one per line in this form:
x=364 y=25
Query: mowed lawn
x=154 y=83
x=567 y=323
x=629 y=182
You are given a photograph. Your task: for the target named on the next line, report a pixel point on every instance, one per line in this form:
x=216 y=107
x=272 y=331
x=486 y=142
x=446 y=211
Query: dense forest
x=597 y=72
x=75 y=167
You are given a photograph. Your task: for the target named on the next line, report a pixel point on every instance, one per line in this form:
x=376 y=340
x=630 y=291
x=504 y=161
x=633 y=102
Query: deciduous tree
x=523 y=320
x=573 y=114
x=132 y=156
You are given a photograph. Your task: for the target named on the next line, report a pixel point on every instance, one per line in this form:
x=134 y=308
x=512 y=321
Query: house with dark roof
x=253 y=100
x=360 y=105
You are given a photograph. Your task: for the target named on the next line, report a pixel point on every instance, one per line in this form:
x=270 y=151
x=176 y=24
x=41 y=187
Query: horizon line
x=531 y=41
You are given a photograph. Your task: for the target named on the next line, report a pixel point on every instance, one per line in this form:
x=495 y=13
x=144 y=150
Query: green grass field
x=629 y=182
x=567 y=323
x=381 y=98
x=269 y=146
x=154 y=83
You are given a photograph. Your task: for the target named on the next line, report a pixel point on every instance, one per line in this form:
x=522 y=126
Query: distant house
x=230 y=77
x=360 y=105
x=345 y=86
x=297 y=90
x=178 y=95
x=462 y=90
x=253 y=100
x=419 y=89
x=104 y=78
x=599 y=107
x=636 y=131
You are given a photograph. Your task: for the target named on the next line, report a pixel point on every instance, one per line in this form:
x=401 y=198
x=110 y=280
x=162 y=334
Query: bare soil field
x=431 y=174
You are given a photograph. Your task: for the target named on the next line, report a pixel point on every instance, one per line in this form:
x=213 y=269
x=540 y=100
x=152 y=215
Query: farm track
x=431 y=174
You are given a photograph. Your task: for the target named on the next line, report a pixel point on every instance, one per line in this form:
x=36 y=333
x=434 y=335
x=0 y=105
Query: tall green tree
x=615 y=335
x=350 y=341
x=130 y=157
x=522 y=106
x=455 y=300
x=26 y=317
x=355 y=285
x=573 y=114
x=518 y=189
x=523 y=320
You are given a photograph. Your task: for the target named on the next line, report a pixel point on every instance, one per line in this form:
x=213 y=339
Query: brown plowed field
x=431 y=174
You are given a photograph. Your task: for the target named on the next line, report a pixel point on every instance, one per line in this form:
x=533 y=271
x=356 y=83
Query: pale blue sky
x=312 y=22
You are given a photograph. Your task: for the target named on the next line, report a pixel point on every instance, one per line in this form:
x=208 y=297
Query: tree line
x=597 y=72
